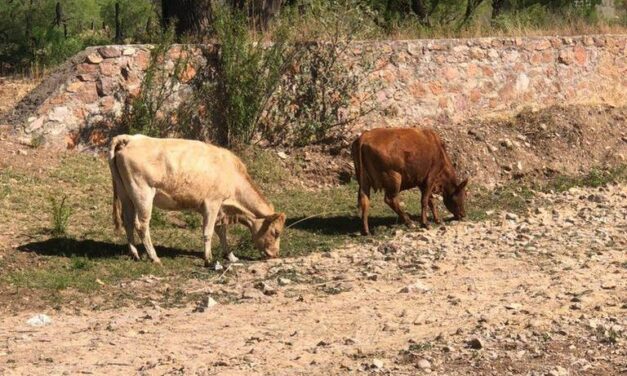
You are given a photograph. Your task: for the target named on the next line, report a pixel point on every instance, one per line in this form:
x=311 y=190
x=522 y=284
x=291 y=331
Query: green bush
x=151 y=112
x=61 y=213
x=314 y=99
x=246 y=74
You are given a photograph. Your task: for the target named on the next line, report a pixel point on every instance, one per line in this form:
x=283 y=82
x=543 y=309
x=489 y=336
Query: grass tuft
x=61 y=213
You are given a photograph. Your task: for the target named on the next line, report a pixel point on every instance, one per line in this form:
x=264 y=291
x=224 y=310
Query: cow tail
x=117 y=143
x=359 y=162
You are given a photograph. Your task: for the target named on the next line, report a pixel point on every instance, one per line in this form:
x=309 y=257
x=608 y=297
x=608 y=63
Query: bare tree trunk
x=118 y=27
x=471 y=6
x=58 y=17
x=191 y=16
x=270 y=9
x=497 y=8
x=420 y=9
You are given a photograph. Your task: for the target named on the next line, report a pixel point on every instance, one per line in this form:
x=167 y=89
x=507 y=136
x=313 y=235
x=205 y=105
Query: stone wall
x=422 y=82
x=429 y=81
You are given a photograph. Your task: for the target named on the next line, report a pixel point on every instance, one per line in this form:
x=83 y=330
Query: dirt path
x=546 y=294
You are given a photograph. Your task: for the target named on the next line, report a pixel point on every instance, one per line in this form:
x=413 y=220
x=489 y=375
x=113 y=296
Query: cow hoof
x=425 y=226
x=365 y=233
x=232 y=258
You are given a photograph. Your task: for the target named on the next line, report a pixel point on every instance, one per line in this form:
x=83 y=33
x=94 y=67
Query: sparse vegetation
x=247 y=73
x=61 y=213
x=595 y=178
x=151 y=113
x=37 y=140
x=326 y=219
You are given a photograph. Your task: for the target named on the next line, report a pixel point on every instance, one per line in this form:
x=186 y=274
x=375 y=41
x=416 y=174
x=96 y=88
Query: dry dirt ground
x=12 y=90
x=543 y=294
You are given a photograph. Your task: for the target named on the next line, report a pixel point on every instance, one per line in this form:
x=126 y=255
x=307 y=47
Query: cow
x=177 y=174
x=394 y=160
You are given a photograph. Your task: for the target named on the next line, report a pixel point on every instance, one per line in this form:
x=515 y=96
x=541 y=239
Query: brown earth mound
x=561 y=139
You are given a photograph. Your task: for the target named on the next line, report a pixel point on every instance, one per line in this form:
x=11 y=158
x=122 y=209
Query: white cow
x=176 y=174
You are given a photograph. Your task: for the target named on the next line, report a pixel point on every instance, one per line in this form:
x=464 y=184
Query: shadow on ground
x=68 y=247
x=341 y=225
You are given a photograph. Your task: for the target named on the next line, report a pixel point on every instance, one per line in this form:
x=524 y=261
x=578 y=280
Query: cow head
x=267 y=235
x=455 y=200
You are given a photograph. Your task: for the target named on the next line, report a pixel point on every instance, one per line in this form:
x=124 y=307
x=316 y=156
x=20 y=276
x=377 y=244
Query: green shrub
x=245 y=75
x=61 y=213
x=151 y=112
x=314 y=99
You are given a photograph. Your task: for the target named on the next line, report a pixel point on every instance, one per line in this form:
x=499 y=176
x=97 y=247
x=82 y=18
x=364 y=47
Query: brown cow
x=395 y=160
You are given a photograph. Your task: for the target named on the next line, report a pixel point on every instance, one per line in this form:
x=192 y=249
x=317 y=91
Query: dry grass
x=90 y=259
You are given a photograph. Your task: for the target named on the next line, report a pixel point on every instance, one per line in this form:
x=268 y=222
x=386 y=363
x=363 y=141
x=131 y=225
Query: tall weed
x=61 y=213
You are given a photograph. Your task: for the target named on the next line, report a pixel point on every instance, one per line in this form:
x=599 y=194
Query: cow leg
x=143 y=206
x=209 y=217
x=391 y=198
x=221 y=230
x=434 y=210
x=363 y=201
x=128 y=211
x=425 y=203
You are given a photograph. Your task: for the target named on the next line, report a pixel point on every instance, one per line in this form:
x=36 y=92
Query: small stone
x=109 y=52
x=282 y=155
x=94 y=58
x=59 y=114
x=513 y=306
x=423 y=364
x=474 y=344
x=284 y=281
x=106 y=86
x=597 y=198
x=129 y=51
x=608 y=285
x=206 y=303
x=511 y=216
x=25 y=140
x=558 y=371
x=265 y=288
x=22 y=152
x=39 y=320
x=377 y=363
x=416 y=287
x=507 y=143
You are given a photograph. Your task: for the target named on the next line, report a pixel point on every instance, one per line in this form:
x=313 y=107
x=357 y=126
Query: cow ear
x=462 y=185
x=278 y=218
